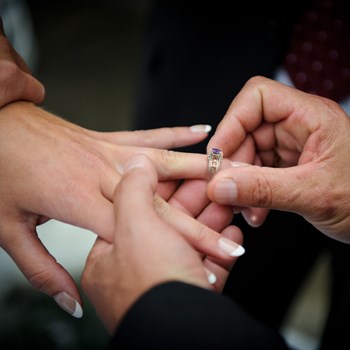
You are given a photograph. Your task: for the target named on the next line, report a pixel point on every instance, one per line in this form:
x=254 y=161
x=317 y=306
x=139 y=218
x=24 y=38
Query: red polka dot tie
x=318 y=59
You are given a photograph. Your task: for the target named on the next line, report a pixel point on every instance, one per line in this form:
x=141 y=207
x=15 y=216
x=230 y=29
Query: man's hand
x=301 y=141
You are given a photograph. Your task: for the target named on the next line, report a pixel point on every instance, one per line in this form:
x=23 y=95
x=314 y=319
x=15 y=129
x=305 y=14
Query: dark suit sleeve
x=178 y=316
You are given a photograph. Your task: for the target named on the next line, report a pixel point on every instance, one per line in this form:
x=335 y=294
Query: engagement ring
x=214 y=160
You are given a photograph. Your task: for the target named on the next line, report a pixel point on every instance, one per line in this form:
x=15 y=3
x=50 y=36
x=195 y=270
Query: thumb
x=42 y=270
x=22 y=86
x=134 y=196
x=31 y=89
x=263 y=187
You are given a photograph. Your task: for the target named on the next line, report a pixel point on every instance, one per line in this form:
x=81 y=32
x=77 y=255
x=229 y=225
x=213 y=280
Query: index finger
x=168 y=137
x=260 y=100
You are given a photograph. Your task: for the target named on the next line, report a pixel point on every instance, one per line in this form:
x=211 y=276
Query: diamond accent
x=214 y=160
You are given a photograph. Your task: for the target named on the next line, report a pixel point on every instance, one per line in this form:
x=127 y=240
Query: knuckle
x=71 y=189
x=146 y=137
x=90 y=162
x=256 y=80
x=90 y=267
x=325 y=205
x=168 y=160
x=9 y=72
x=331 y=109
x=161 y=207
x=40 y=279
x=91 y=159
x=262 y=193
x=202 y=234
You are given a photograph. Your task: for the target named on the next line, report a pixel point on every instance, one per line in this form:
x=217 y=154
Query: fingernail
x=230 y=247
x=211 y=277
x=237 y=210
x=225 y=191
x=200 y=128
x=251 y=219
x=42 y=95
x=239 y=164
x=68 y=304
x=119 y=167
x=138 y=161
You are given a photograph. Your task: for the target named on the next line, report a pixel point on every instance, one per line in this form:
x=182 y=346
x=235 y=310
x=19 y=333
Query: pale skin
x=307 y=134
x=116 y=274
x=53 y=169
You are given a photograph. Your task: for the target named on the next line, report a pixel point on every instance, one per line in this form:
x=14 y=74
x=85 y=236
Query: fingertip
x=254 y=217
x=145 y=172
x=137 y=187
x=200 y=128
x=69 y=304
x=33 y=90
x=42 y=93
x=210 y=276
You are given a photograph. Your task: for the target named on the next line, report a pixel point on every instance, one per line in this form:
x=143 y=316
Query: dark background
x=87 y=54
x=88 y=58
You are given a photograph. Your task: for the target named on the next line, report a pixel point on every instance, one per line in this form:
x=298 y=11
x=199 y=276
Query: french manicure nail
x=211 y=277
x=68 y=304
x=200 y=128
x=230 y=247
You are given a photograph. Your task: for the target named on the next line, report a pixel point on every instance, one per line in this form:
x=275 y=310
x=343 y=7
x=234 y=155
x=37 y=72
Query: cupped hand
x=302 y=141
x=147 y=249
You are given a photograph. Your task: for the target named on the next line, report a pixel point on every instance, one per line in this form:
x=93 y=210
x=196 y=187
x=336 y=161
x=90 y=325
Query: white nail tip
x=69 y=304
x=200 y=128
x=78 y=312
x=211 y=278
x=238 y=251
x=230 y=247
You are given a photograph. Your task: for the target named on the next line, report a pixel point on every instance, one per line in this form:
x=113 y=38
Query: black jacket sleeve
x=178 y=316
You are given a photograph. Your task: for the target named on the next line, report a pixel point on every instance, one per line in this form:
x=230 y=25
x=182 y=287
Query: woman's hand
x=146 y=250
x=53 y=169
